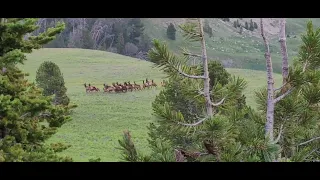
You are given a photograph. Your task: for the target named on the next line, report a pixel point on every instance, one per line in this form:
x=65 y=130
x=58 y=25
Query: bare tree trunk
x=283 y=45
x=206 y=89
x=270 y=82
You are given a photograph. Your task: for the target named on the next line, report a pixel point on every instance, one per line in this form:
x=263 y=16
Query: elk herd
x=125 y=87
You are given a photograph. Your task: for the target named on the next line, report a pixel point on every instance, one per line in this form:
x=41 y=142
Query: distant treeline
x=119 y=35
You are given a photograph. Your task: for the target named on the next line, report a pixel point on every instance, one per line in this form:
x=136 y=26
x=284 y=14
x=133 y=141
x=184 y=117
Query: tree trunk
x=206 y=89
x=270 y=82
x=283 y=46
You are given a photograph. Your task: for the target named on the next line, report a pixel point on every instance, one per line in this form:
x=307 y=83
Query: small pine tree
x=251 y=26
x=255 y=25
x=241 y=30
x=246 y=26
x=87 y=41
x=171 y=32
x=235 y=24
x=238 y=24
x=50 y=79
x=120 y=43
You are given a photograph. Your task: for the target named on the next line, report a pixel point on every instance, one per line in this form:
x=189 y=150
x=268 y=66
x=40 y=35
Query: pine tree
x=238 y=24
x=251 y=26
x=173 y=133
x=235 y=24
x=120 y=43
x=137 y=30
x=291 y=110
x=50 y=79
x=171 y=32
x=246 y=26
x=87 y=41
x=241 y=30
x=255 y=25
x=23 y=108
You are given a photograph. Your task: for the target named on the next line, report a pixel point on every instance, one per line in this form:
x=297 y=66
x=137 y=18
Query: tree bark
x=270 y=83
x=283 y=46
x=206 y=89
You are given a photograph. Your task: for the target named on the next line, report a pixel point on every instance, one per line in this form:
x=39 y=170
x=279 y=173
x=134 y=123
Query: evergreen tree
x=137 y=28
x=241 y=30
x=295 y=113
x=255 y=25
x=251 y=26
x=120 y=43
x=238 y=24
x=246 y=26
x=87 y=41
x=235 y=24
x=23 y=108
x=50 y=79
x=171 y=32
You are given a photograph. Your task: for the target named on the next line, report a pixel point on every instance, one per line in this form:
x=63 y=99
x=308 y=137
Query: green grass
x=241 y=51
x=100 y=118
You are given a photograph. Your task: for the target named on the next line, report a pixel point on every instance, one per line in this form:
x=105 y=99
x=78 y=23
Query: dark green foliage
x=255 y=25
x=171 y=32
x=235 y=24
x=136 y=28
x=238 y=24
x=241 y=30
x=298 y=113
x=120 y=43
x=129 y=152
x=50 y=79
x=246 y=26
x=27 y=118
x=87 y=42
x=251 y=25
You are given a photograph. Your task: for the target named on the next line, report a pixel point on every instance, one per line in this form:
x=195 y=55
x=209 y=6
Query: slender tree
x=283 y=45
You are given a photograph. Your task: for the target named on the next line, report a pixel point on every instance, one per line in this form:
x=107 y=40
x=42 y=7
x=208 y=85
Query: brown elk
x=87 y=87
x=136 y=86
x=108 y=88
x=93 y=88
x=153 y=83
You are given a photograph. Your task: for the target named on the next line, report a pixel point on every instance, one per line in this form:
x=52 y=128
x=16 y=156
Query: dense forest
x=119 y=35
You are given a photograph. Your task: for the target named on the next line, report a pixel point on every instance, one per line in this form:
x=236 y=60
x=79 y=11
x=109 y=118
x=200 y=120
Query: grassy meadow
x=100 y=118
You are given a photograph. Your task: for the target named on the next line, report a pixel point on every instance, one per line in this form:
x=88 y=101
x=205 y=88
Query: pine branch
x=190 y=54
x=193 y=124
x=283 y=95
x=277 y=89
x=279 y=135
x=309 y=141
x=189 y=76
x=179 y=156
x=218 y=103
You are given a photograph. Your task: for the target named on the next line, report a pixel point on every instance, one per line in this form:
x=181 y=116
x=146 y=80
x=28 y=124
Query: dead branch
x=279 y=135
x=280 y=87
x=218 y=103
x=190 y=76
x=283 y=95
x=193 y=124
x=313 y=139
x=179 y=156
x=190 y=54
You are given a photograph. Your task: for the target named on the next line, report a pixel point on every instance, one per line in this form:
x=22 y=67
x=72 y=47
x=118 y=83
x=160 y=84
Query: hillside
x=100 y=119
x=233 y=49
